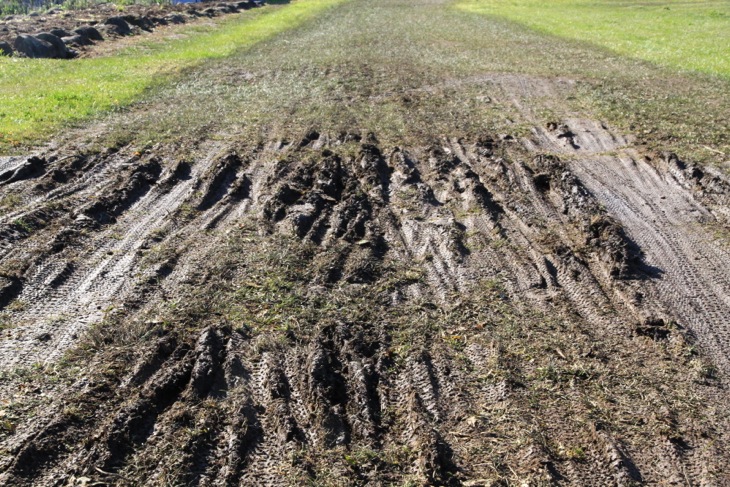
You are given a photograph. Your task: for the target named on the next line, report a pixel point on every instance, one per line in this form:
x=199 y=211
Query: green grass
x=688 y=34
x=400 y=70
x=40 y=95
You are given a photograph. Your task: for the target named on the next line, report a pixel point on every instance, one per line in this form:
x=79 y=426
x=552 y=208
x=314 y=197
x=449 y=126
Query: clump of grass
x=9 y=202
x=23 y=225
x=692 y=35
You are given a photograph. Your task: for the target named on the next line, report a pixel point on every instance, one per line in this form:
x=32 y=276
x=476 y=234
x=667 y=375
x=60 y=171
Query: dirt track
x=336 y=310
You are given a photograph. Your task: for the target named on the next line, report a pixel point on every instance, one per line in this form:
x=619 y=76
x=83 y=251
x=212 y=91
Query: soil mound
x=47 y=35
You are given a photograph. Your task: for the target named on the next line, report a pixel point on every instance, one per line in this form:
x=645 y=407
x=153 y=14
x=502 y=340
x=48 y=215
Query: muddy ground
x=331 y=307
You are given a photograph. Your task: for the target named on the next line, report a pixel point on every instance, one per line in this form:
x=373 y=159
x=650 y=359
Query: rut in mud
x=667 y=207
x=83 y=249
x=332 y=310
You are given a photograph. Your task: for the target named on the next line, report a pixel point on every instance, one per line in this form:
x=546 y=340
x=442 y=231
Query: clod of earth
x=6 y=49
x=89 y=32
x=77 y=40
x=63 y=51
x=117 y=25
x=60 y=33
x=37 y=47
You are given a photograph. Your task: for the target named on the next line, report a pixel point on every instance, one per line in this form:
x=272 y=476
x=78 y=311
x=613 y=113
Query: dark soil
x=352 y=313
x=140 y=18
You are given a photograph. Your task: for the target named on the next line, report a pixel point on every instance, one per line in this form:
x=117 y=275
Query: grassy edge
x=64 y=92
x=653 y=106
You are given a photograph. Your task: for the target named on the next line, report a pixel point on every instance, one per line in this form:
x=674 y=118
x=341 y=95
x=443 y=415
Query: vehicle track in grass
x=358 y=305
x=149 y=238
x=658 y=202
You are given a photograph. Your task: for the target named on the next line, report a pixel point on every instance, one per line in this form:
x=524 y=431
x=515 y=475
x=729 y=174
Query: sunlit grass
x=41 y=95
x=404 y=72
x=688 y=34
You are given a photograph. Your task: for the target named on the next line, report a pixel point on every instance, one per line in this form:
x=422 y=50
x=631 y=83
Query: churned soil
x=331 y=308
x=362 y=306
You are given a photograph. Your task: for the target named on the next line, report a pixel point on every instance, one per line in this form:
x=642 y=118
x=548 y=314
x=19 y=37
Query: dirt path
x=400 y=232
x=356 y=255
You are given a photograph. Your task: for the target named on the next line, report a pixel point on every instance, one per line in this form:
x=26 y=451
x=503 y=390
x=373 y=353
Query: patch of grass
x=17 y=305
x=66 y=91
x=361 y=457
x=575 y=453
x=9 y=202
x=689 y=35
x=5 y=321
x=23 y=225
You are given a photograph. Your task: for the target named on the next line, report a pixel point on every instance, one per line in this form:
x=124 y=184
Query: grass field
x=394 y=242
x=691 y=35
x=66 y=91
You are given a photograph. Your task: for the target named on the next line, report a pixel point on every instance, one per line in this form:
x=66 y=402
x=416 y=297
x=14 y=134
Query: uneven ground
x=159 y=16
x=399 y=245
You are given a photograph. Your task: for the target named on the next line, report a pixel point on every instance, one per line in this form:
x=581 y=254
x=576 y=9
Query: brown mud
x=332 y=311
x=292 y=287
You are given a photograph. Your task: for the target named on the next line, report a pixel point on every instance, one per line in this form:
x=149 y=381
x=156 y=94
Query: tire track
x=685 y=269
x=668 y=224
x=58 y=310
x=354 y=396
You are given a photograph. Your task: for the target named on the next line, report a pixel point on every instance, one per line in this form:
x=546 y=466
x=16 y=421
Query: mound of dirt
x=23 y=35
